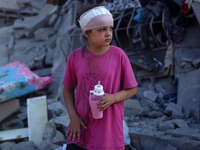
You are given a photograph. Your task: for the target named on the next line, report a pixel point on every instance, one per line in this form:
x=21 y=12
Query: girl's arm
x=75 y=120
x=120 y=96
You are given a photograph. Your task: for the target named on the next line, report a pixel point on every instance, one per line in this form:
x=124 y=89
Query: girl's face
x=100 y=37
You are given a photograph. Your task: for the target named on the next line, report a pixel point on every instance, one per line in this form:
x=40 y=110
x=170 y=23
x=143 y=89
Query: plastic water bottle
x=98 y=92
x=95 y=96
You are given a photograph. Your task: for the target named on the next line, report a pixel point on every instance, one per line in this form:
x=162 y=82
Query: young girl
x=97 y=61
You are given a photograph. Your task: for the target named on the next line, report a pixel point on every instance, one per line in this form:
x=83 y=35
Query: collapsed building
x=164 y=114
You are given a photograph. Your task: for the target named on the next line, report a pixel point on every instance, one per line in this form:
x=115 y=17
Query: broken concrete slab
x=170 y=147
x=35 y=22
x=9 y=107
x=154 y=140
x=28 y=55
x=188 y=89
x=151 y=95
x=9 y=4
x=18 y=24
x=195 y=7
x=175 y=110
x=38 y=4
x=5 y=35
x=181 y=132
x=166 y=125
x=43 y=34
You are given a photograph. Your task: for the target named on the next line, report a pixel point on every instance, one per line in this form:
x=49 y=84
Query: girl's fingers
x=74 y=135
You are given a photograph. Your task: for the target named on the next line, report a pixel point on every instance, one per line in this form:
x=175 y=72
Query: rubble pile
x=164 y=114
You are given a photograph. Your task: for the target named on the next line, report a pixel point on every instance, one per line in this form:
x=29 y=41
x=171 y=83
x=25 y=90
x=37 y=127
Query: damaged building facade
x=39 y=35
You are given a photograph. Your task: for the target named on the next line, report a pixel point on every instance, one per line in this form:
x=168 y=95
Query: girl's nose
x=109 y=32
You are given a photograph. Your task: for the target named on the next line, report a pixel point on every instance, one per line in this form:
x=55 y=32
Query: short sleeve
x=70 y=73
x=128 y=77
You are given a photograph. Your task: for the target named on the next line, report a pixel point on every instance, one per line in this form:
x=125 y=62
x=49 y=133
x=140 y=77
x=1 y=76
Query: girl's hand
x=106 y=101
x=75 y=127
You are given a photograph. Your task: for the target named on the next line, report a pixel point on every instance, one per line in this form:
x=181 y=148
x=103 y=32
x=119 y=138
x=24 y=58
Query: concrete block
x=151 y=95
x=132 y=108
x=167 y=125
x=189 y=93
x=174 y=109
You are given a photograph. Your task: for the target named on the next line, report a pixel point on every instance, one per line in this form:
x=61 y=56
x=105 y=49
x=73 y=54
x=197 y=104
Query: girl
x=97 y=61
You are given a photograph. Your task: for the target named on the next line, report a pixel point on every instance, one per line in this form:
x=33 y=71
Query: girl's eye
x=101 y=29
x=111 y=29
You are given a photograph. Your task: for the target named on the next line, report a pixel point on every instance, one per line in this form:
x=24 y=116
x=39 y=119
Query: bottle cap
x=98 y=89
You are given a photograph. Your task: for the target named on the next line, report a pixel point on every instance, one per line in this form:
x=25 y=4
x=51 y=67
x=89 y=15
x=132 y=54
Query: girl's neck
x=97 y=50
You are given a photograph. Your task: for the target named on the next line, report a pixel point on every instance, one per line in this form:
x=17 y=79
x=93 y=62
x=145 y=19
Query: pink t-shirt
x=113 y=69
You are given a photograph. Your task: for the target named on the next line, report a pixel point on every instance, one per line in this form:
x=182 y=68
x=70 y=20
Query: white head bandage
x=95 y=18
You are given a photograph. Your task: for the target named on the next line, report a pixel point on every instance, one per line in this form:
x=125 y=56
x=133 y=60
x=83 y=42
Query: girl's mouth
x=107 y=40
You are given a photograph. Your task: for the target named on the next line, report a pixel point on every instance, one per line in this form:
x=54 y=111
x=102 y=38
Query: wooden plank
x=7 y=108
x=37 y=118
x=196 y=9
x=14 y=134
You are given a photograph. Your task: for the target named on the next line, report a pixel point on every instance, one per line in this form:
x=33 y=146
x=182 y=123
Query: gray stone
x=11 y=42
x=43 y=34
x=29 y=145
x=56 y=109
x=180 y=123
x=43 y=72
x=62 y=121
x=50 y=136
x=35 y=22
x=53 y=19
x=30 y=56
x=174 y=109
x=49 y=56
x=10 y=5
x=132 y=107
x=151 y=95
x=166 y=125
x=170 y=147
x=188 y=89
x=18 y=24
x=58 y=23
x=8 y=146
x=12 y=123
x=181 y=132
x=4 y=38
x=155 y=114
x=38 y=4
x=19 y=33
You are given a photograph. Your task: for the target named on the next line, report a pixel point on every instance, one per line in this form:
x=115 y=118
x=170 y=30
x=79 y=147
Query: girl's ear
x=85 y=34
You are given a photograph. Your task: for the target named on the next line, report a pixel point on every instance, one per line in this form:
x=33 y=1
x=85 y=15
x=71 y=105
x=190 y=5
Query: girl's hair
x=85 y=8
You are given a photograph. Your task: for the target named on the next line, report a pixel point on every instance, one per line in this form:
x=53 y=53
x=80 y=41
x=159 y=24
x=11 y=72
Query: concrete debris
x=164 y=114
x=150 y=95
x=167 y=125
x=174 y=110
